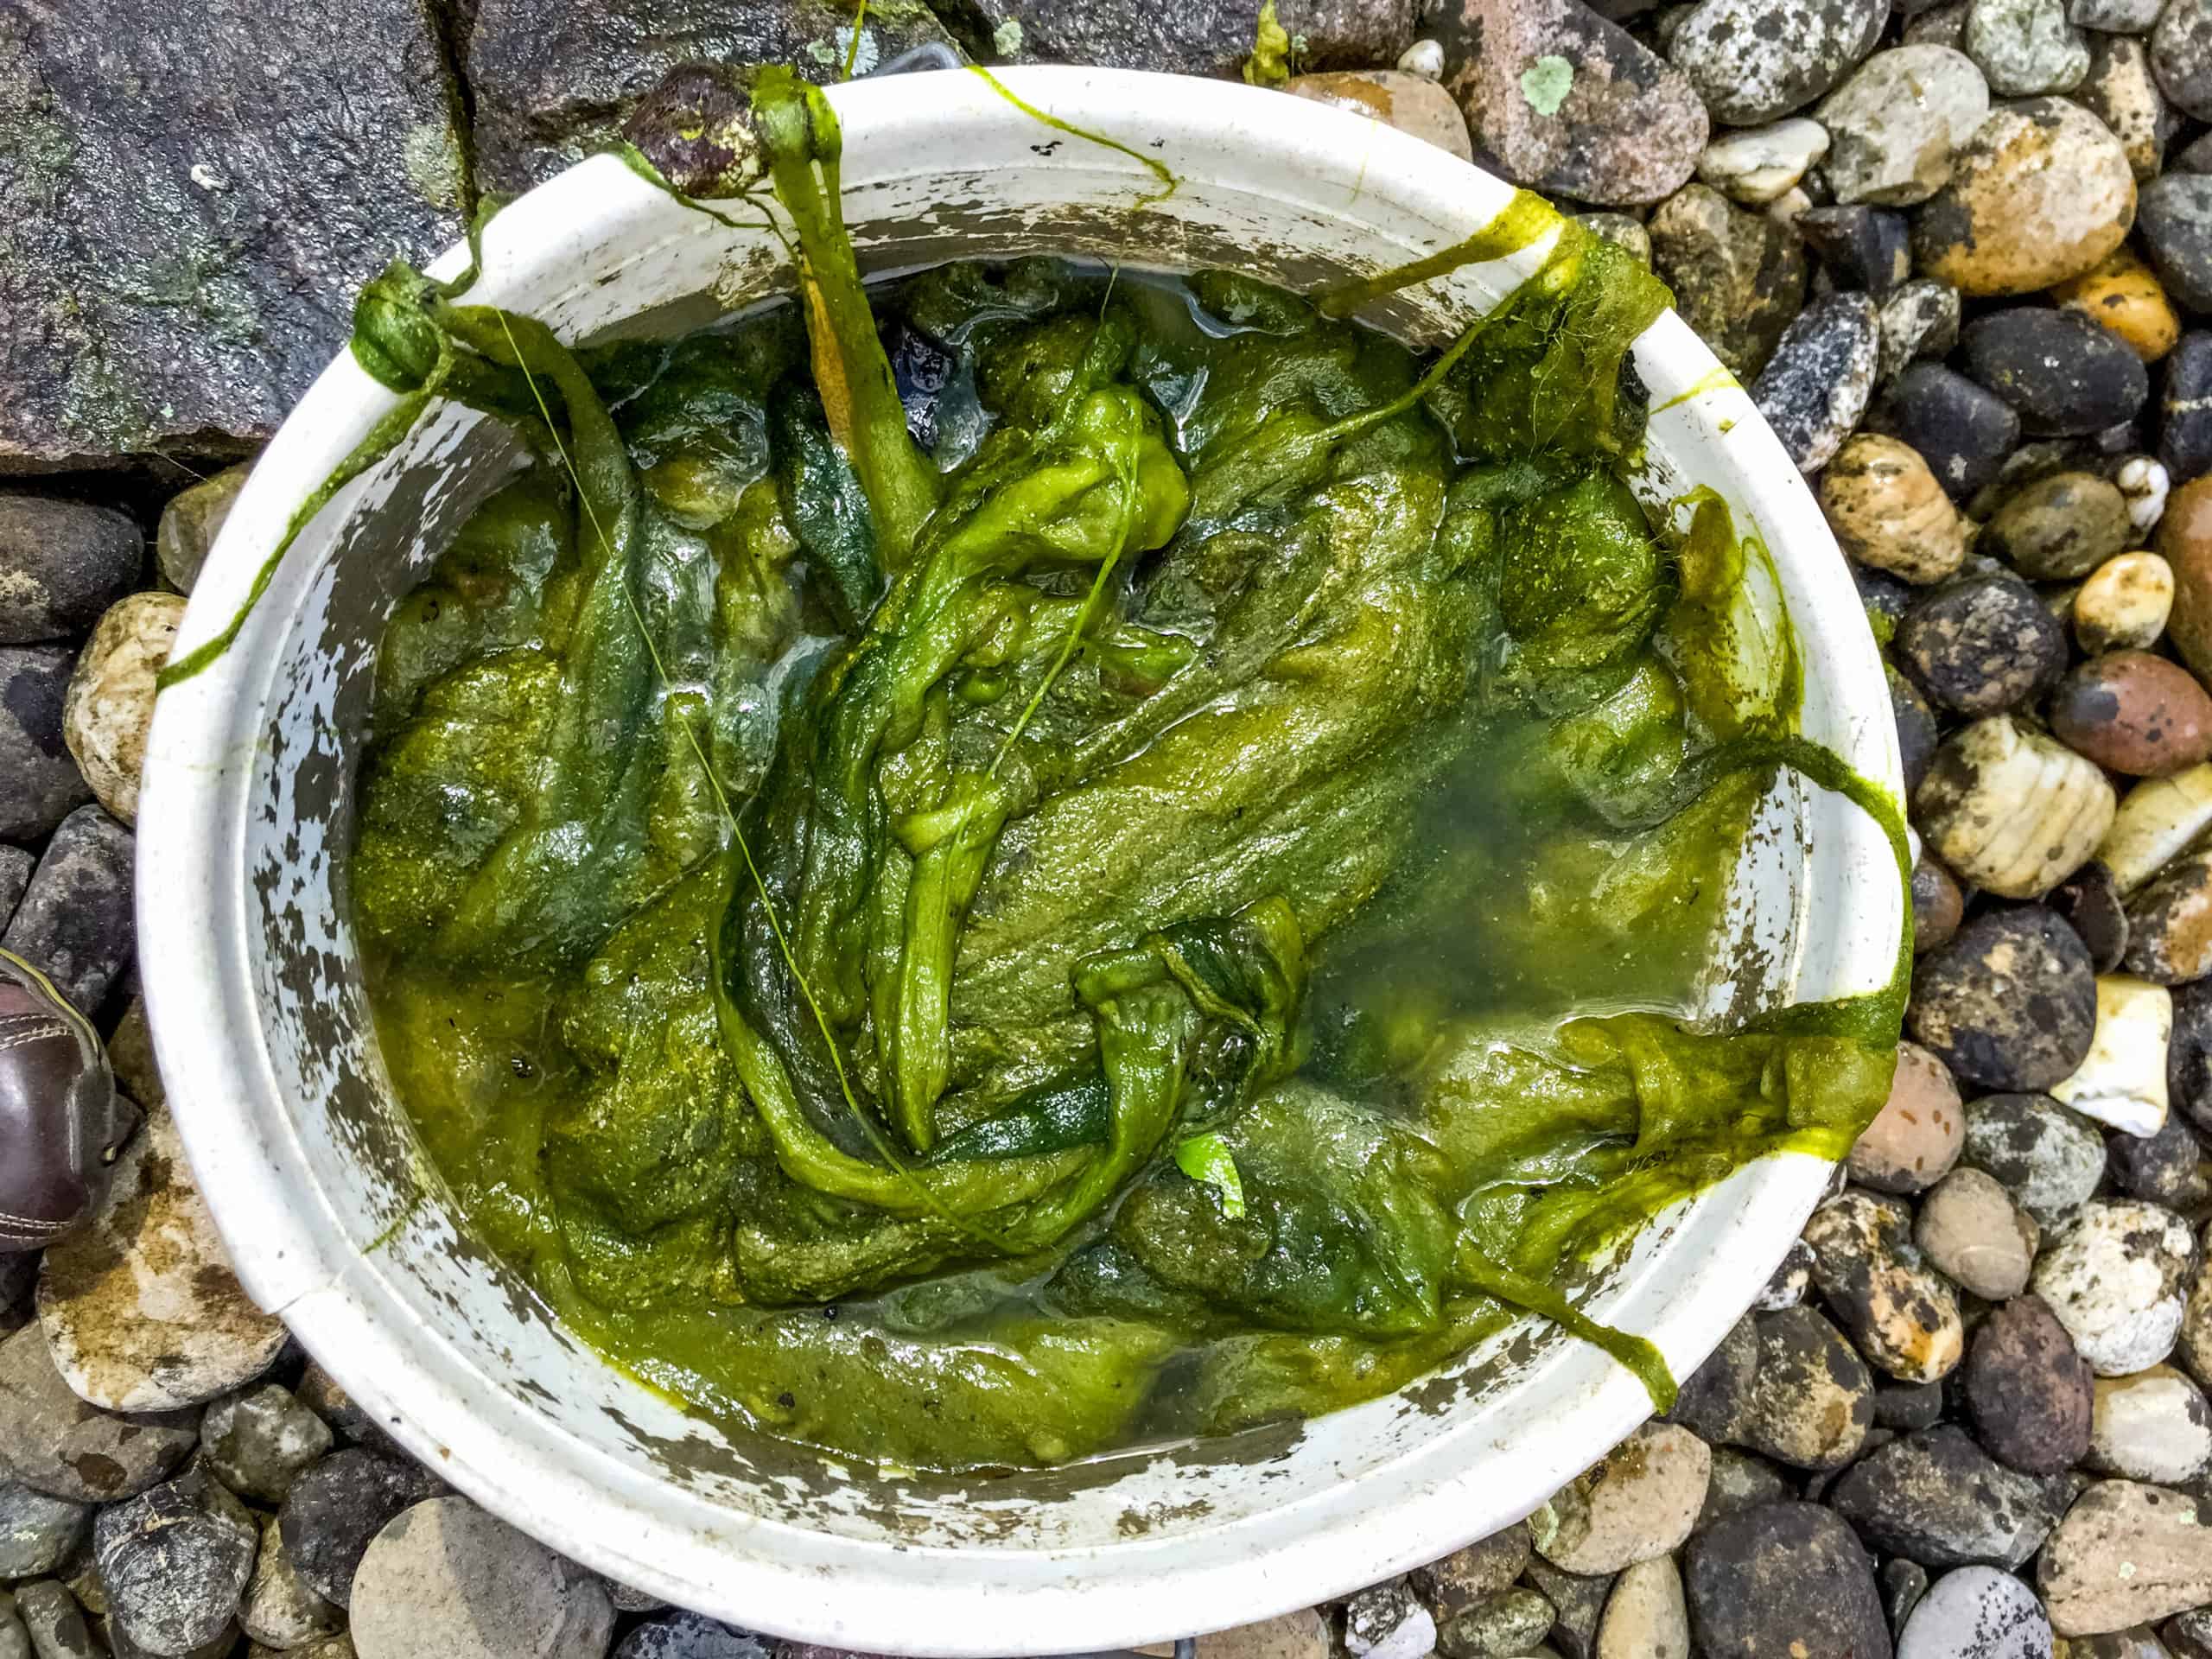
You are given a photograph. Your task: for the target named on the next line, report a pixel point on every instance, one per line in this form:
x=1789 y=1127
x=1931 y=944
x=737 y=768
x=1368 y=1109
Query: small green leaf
x=1546 y=84
x=1207 y=1157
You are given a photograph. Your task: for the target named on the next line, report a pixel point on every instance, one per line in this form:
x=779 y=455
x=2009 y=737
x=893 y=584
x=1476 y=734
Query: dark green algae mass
x=889 y=774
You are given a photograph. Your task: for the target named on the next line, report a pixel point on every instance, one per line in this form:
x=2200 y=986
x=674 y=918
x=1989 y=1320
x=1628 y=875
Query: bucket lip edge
x=193 y=784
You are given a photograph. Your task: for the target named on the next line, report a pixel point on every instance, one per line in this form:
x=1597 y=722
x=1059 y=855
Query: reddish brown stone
x=2134 y=713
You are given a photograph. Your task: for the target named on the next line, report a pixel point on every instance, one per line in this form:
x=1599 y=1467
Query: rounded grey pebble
x=1511 y=1622
x=1783 y=1579
x=1963 y=431
x=1815 y=387
x=1919 y=318
x=687 y=1635
x=16 y=864
x=337 y=1506
x=40 y=783
x=61 y=564
x=37 y=1530
x=2181 y=55
x=76 y=919
x=259 y=1439
x=1982 y=645
x=1810 y=1400
x=2174 y=213
x=2185 y=408
x=66 y=1447
x=2089 y=902
x=1936 y=1497
x=174 y=1561
x=2189 y=1055
x=2061 y=373
x=1917 y=734
x=1751 y=60
x=1862 y=247
x=1903 y=1583
x=1976 y=1612
x=2009 y=1003
x=56 y=1624
x=2046 y=1157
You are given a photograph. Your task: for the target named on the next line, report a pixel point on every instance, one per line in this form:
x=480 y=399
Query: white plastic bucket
x=337 y=1223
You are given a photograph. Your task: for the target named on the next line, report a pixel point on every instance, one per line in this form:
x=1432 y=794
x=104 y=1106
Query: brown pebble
x=2131 y=712
x=1938 y=905
x=2125 y=603
x=2124 y=295
x=2059 y=527
x=2185 y=539
x=2028 y=1392
x=2040 y=194
x=2170 y=922
x=1889 y=513
x=1915 y=1139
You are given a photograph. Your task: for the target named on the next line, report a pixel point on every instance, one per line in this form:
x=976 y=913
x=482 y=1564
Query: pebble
x=444 y=1576
x=1299 y=1635
x=687 y=1635
x=2168 y=1167
x=1783 y=1579
x=335 y=1647
x=2025 y=47
x=1964 y=431
x=2190 y=1635
x=1937 y=1498
x=1859 y=247
x=1578 y=1602
x=2040 y=194
x=2157 y=819
x=75 y=920
x=1815 y=387
x=1713 y=1400
x=2122 y=1080
x=2176 y=224
x=1741 y=1480
x=2181 y=52
x=1903 y=1583
x=2185 y=409
x=2123 y=296
x=174 y=1562
x=2009 y=1003
x=2124 y=603
x=39 y=781
x=338 y=1506
x=1646 y=1616
x=278 y=1610
x=16 y=864
x=2185 y=540
x=1904 y=1317
x=2125 y=1554
x=2116 y=16
x=2115 y=1278
x=1894 y=126
x=1970 y=1230
x=1976 y=1612
x=1512 y=1622
x=191 y=522
x=2028 y=1392
x=38 y=1531
x=1625 y=130
x=2170 y=922
x=55 y=1622
x=1915 y=1137
x=1982 y=645
x=61 y=564
x=2195 y=1347
x=1905 y=1406
x=1737 y=276
x=2153 y=1426
x=1938 y=903
x=1919 y=318
x=1751 y=60
x=1385 y=1621
x=110 y=696
x=1810 y=1400
x=1636 y=1502
x=2189 y=1061
x=2060 y=525
x=1917 y=734
x=140 y=1305
x=1476 y=1574
x=260 y=1440
x=1759 y=163
x=2146 y=484
x=2122 y=92
x=64 y=1447
x=2134 y=713
x=2049 y=1159
x=1413 y=104
x=2010 y=808
x=2062 y=372
x=1943 y=23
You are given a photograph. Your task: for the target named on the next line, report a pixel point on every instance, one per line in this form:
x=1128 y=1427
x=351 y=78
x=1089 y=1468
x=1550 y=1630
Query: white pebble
x=1759 y=163
x=2153 y=1426
x=2115 y=1278
x=2145 y=483
x=2122 y=1082
x=1423 y=58
x=2156 y=819
x=1976 y=1612
x=2125 y=603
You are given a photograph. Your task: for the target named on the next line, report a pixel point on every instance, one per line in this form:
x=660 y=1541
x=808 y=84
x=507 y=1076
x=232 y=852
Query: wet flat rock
x=196 y=303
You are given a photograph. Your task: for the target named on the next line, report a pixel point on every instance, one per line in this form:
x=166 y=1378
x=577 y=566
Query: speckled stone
x=1816 y=385
x=2115 y=1277
x=1937 y=1498
x=2041 y=193
x=1894 y=126
x=1751 y=60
